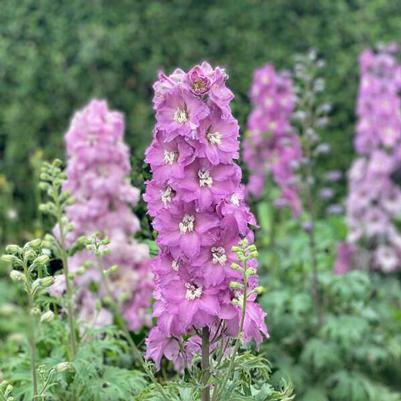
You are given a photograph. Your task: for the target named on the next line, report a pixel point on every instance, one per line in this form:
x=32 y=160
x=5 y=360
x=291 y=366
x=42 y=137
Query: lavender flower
x=197 y=203
x=374 y=200
x=98 y=178
x=271 y=147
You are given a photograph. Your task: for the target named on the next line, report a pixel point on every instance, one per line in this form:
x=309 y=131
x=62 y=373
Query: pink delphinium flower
x=373 y=203
x=98 y=178
x=271 y=147
x=199 y=213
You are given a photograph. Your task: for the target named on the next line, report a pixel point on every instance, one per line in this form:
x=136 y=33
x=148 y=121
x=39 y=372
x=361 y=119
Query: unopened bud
x=47 y=281
x=260 y=290
x=63 y=367
x=16 y=275
x=9 y=259
x=35 y=311
x=13 y=249
x=80 y=271
x=113 y=269
x=35 y=243
x=243 y=242
x=47 y=316
x=41 y=260
x=250 y=272
x=236 y=266
x=251 y=248
x=236 y=285
x=29 y=254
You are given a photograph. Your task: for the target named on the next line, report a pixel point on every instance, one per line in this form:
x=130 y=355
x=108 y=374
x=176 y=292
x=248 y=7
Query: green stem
x=123 y=326
x=32 y=334
x=310 y=207
x=217 y=391
x=205 y=393
x=69 y=295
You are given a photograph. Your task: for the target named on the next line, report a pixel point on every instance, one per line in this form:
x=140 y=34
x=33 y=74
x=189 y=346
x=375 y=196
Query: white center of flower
x=175 y=265
x=192 y=292
x=214 y=138
x=205 y=180
x=187 y=224
x=234 y=199
x=272 y=125
x=170 y=157
x=268 y=101
x=167 y=195
x=219 y=255
x=389 y=132
x=180 y=116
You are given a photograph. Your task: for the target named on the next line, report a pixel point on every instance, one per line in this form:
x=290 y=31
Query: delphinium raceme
x=309 y=117
x=204 y=299
x=271 y=147
x=98 y=179
x=374 y=200
x=29 y=268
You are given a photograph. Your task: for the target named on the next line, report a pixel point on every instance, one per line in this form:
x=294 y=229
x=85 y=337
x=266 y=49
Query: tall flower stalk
x=29 y=267
x=199 y=213
x=374 y=200
x=97 y=176
x=271 y=147
x=52 y=179
x=310 y=116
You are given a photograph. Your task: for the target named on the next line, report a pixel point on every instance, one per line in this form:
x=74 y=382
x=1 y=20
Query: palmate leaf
x=351 y=287
x=317 y=393
x=354 y=386
x=321 y=355
x=111 y=384
x=346 y=330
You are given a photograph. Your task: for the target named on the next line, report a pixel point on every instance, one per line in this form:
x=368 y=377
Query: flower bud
x=47 y=281
x=236 y=285
x=13 y=249
x=236 y=267
x=41 y=260
x=35 y=243
x=16 y=275
x=113 y=269
x=9 y=259
x=260 y=290
x=29 y=254
x=63 y=367
x=35 y=311
x=250 y=272
x=47 y=317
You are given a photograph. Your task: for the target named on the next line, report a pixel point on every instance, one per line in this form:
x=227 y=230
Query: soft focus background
x=55 y=56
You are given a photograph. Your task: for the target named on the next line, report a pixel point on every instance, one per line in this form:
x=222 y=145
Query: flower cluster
x=198 y=209
x=98 y=178
x=374 y=201
x=271 y=147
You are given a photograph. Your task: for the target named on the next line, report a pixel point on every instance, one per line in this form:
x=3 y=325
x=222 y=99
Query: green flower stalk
x=311 y=116
x=28 y=266
x=52 y=178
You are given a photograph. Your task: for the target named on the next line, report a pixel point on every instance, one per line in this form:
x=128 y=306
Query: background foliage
x=55 y=55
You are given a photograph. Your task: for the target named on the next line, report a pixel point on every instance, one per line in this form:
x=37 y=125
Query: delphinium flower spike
x=198 y=209
x=98 y=179
x=374 y=201
x=271 y=148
